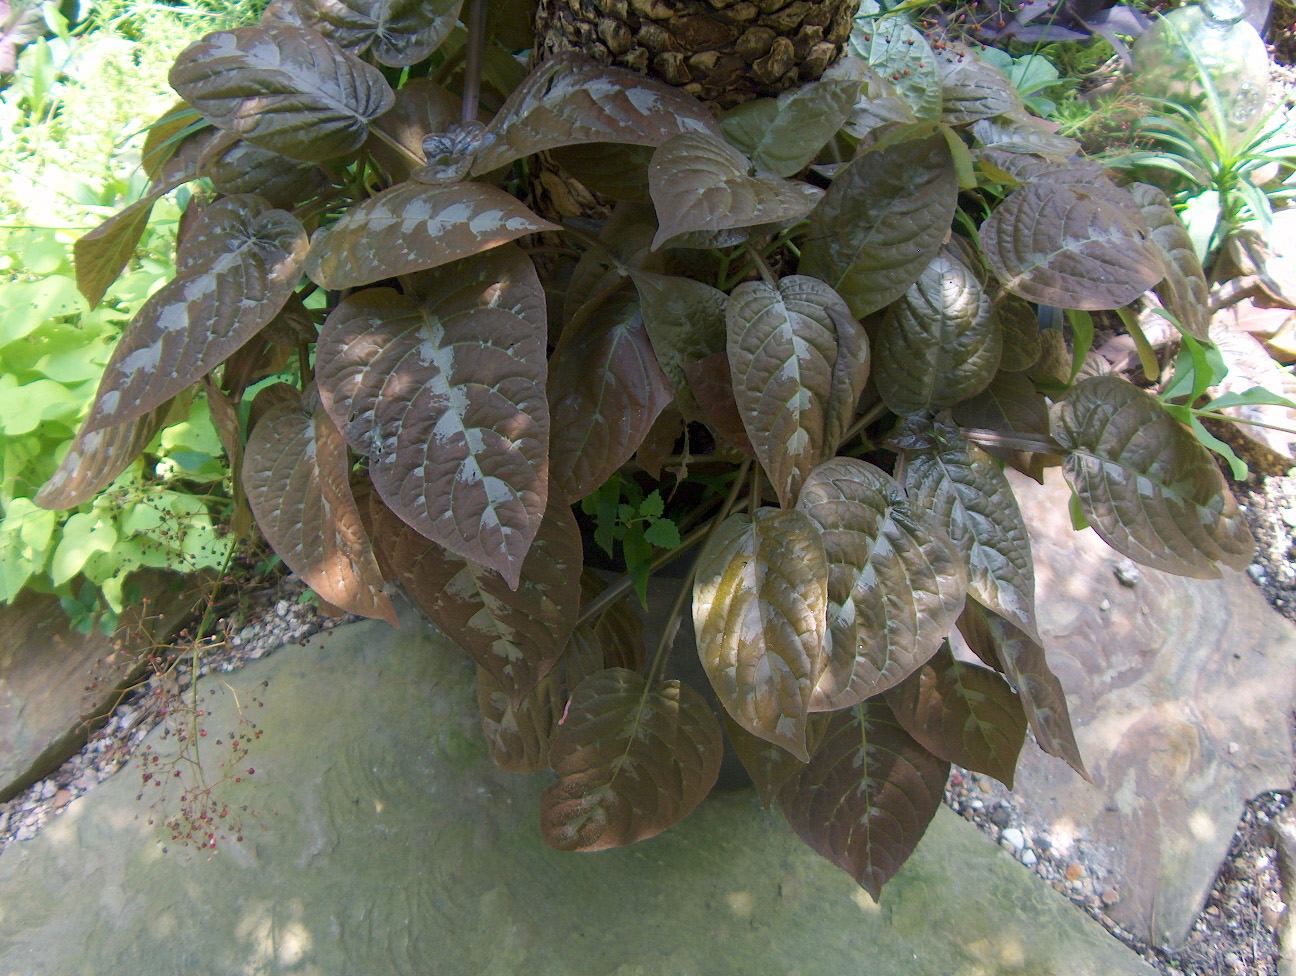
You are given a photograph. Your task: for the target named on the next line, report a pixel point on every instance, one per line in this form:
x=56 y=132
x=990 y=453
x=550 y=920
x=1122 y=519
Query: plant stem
x=1212 y=415
x=871 y=415
x=1146 y=354
x=766 y=274
x=1034 y=444
x=472 y=65
x=403 y=150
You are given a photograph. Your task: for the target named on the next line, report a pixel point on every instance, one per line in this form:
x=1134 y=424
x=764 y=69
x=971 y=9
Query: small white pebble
x=1028 y=858
x=1014 y=837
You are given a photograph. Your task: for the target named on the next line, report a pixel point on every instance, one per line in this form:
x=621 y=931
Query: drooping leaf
x=104 y=252
x=605 y=390
x=1145 y=484
x=896 y=583
x=631 y=761
x=514 y=633
x=415 y=226
x=96 y=457
x=938 y=343
x=1019 y=325
x=1183 y=291
x=699 y=182
x=446 y=395
x=297 y=477
x=881 y=222
x=224 y=411
x=768 y=765
x=245 y=260
x=393 y=32
x=235 y=166
x=1082 y=247
x=900 y=53
x=866 y=797
x=799 y=362
x=759 y=611
x=519 y=735
x=686 y=323
x=963 y=487
x=971 y=89
x=962 y=713
x=570 y=99
x=284 y=88
x=165 y=136
x=1022 y=133
x=1023 y=662
x=782 y=136
x=711 y=384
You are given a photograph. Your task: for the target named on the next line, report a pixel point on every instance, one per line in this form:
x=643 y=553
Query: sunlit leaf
x=96 y=457
x=699 y=182
x=964 y=714
x=963 y=487
x=867 y=795
x=415 y=226
x=881 y=222
x=799 y=362
x=895 y=581
x=1073 y=246
x=392 y=32
x=1183 y=291
x=446 y=395
x=296 y=474
x=1145 y=484
x=605 y=391
x=900 y=53
x=282 y=87
x=938 y=343
x=759 y=611
x=570 y=99
x=1022 y=133
x=631 y=759
x=246 y=259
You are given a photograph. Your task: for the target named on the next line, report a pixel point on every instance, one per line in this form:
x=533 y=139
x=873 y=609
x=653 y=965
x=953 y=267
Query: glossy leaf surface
x=392 y=32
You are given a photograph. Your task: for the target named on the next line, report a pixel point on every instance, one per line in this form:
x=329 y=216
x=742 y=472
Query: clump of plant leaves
x=806 y=334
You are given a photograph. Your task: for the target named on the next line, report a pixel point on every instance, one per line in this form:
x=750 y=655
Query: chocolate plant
x=799 y=342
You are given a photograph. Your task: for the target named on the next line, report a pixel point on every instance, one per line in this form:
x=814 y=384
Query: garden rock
x=390 y=844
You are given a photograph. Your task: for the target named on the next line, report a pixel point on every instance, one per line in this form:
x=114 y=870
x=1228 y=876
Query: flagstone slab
x=1181 y=693
x=390 y=845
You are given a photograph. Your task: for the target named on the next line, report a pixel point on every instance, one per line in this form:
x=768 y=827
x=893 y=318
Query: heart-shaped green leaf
x=962 y=713
x=631 y=759
x=759 y=611
x=297 y=477
x=570 y=99
x=866 y=797
x=1183 y=291
x=699 y=182
x=284 y=88
x=963 y=487
x=415 y=226
x=1073 y=246
x=938 y=343
x=446 y=395
x=799 y=362
x=605 y=390
x=1145 y=484
x=896 y=583
x=242 y=261
x=391 y=32
x=881 y=222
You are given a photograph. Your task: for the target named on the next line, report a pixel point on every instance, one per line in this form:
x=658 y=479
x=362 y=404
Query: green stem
x=1212 y=415
x=871 y=415
x=473 y=62
x=1146 y=354
x=766 y=274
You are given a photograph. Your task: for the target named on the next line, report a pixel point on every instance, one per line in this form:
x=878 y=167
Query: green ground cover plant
x=801 y=339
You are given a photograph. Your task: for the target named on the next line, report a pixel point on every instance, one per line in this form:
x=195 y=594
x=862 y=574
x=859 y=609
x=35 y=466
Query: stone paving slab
x=392 y=845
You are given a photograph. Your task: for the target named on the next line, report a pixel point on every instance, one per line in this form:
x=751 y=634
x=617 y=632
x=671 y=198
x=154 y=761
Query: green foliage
x=470 y=382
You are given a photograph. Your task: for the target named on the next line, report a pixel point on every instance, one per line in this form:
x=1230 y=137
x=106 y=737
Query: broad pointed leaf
x=570 y=100
x=711 y=384
x=296 y=475
x=1183 y=291
x=392 y=32
x=246 y=261
x=1022 y=167
x=900 y=53
x=759 y=611
x=284 y=88
x=971 y=89
x=415 y=226
x=631 y=759
x=236 y=166
x=95 y=458
x=1022 y=133
x=1073 y=246
x=963 y=487
x=105 y=251
x=1022 y=660
x=964 y=714
x=1019 y=324
x=422 y=108
x=605 y=391
x=939 y=343
x=881 y=222
x=799 y=362
x=686 y=323
x=515 y=634
x=446 y=395
x=867 y=796
x=1145 y=484
x=896 y=582
x=782 y=136
x=699 y=182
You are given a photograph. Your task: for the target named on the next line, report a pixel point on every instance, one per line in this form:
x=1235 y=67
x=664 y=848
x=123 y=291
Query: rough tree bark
x=724 y=52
